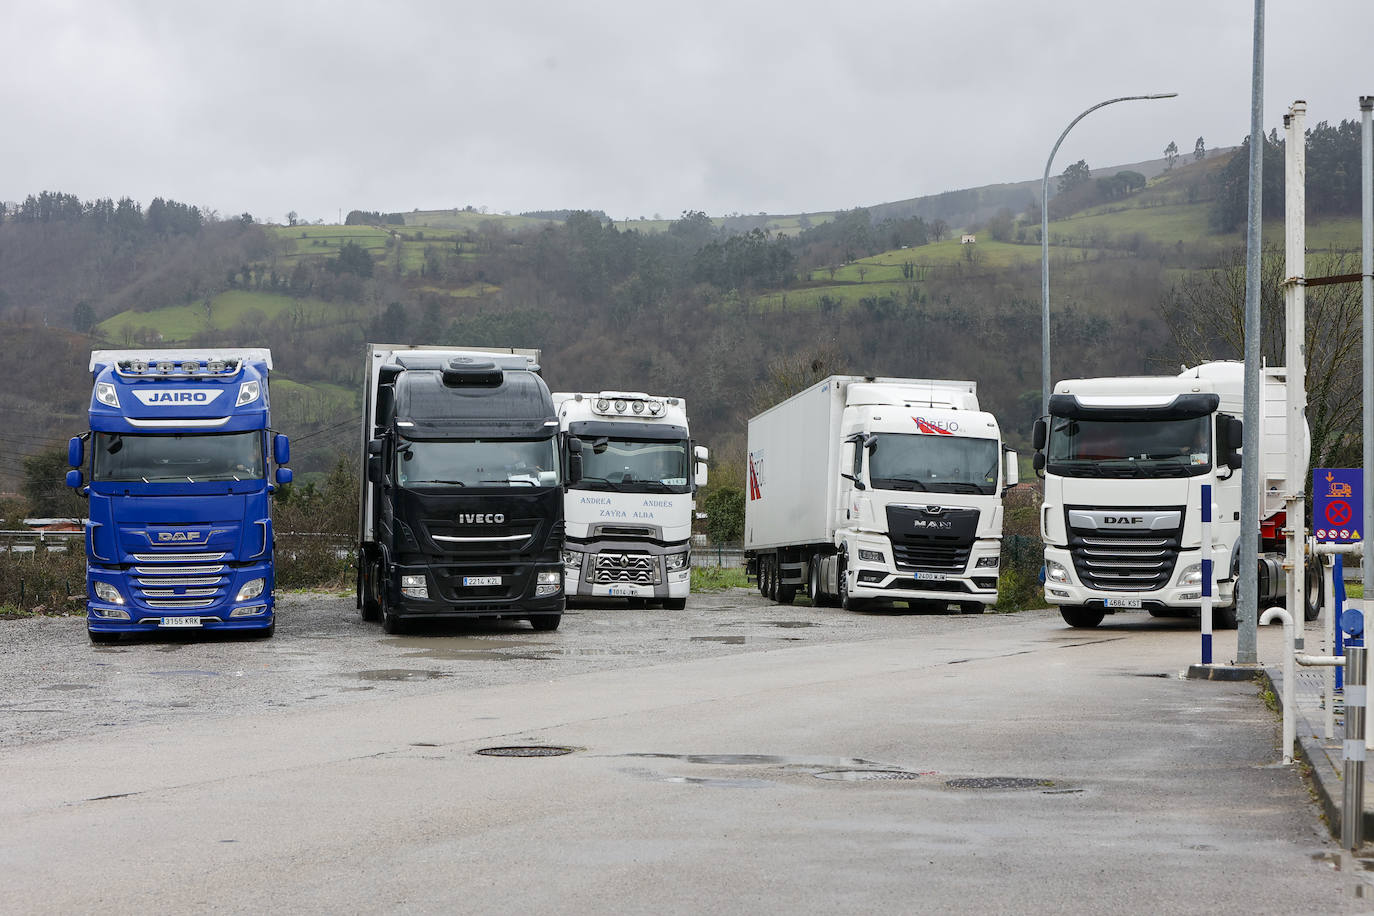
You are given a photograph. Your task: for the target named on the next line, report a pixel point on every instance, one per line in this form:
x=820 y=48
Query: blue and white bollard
x=1206 y=612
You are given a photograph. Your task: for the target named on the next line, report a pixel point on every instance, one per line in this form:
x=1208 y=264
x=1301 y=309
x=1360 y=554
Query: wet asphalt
x=738 y=757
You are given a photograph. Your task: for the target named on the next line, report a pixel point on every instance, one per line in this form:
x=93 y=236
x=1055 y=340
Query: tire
x=266 y=632
x=369 y=576
x=971 y=607
x=772 y=593
x=1224 y=618
x=846 y=602
x=545 y=623
x=391 y=621
x=103 y=639
x=675 y=604
x=759 y=578
x=786 y=593
x=813 y=583
x=1075 y=615
x=1316 y=587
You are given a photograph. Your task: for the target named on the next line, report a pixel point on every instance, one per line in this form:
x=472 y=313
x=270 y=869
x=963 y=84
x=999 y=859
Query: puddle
x=782 y=624
x=197 y=672
x=457 y=643
x=765 y=760
x=597 y=651
x=1002 y=782
x=719 y=783
x=70 y=687
x=867 y=775
x=400 y=674
x=468 y=655
x=728 y=640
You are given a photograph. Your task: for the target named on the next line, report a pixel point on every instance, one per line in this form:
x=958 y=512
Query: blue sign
x=1337 y=505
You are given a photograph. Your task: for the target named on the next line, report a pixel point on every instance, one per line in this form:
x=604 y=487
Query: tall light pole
x=1045 y=245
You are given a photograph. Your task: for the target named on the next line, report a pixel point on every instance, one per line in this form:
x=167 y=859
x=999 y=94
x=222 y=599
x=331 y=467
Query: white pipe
x=1327 y=645
x=1290 y=674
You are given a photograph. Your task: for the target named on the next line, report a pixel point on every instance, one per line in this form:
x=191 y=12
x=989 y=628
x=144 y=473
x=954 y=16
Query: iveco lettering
x=1125 y=461
x=866 y=491
x=177 y=466
x=462 y=495
x=632 y=538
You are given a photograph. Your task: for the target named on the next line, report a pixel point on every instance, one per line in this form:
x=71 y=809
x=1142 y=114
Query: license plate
x=179 y=622
x=1122 y=602
x=932 y=577
x=481 y=580
x=624 y=591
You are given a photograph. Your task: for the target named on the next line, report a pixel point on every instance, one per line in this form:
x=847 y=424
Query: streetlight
x=1045 y=245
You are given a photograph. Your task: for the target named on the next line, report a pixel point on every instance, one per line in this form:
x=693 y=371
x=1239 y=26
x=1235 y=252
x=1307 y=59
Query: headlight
x=572 y=559
x=1191 y=575
x=248 y=393
x=677 y=560
x=550 y=577
x=414 y=586
x=1055 y=572
x=107 y=592
x=871 y=556
x=251 y=589
x=986 y=563
x=105 y=393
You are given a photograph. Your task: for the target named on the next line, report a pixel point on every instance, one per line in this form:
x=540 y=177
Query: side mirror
x=1011 y=468
x=1230 y=439
x=374 y=447
x=574 y=460
x=281 y=449
x=284 y=475
x=74 y=478
x=1038 y=462
x=1038 y=434
x=700 y=456
x=871 y=442
x=76 y=454
x=374 y=467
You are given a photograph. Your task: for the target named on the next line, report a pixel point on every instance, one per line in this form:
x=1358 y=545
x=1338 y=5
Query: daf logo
x=1123 y=520
x=171 y=536
x=478 y=518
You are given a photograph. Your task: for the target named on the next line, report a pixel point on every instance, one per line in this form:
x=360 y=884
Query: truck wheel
x=102 y=639
x=545 y=622
x=846 y=602
x=1076 y=615
x=370 y=573
x=786 y=593
x=761 y=574
x=391 y=621
x=266 y=632
x=813 y=583
x=971 y=607
x=675 y=604
x=772 y=565
x=1316 y=586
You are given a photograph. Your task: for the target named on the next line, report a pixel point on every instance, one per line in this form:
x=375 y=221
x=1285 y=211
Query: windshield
x=178 y=456
x=939 y=464
x=477 y=463
x=634 y=465
x=1121 y=448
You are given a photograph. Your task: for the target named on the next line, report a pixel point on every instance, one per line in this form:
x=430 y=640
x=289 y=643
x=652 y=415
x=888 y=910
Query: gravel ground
x=55 y=684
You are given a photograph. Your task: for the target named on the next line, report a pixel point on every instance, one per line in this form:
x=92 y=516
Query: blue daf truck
x=178 y=465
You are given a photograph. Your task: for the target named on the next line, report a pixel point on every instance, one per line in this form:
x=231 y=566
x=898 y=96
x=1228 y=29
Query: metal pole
x=1206 y=611
x=1329 y=675
x=1352 y=809
x=1367 y=296
x=1248 y=598
x=1295 y=363
x=1045 y=244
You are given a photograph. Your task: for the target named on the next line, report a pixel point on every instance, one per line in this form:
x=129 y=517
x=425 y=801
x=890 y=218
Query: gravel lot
x=55 y=684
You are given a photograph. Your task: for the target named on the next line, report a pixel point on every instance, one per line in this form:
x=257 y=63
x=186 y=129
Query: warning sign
x=1337 y=504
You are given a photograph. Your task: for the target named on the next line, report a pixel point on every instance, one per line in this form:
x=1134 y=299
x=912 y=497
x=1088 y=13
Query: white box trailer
x=872 y=490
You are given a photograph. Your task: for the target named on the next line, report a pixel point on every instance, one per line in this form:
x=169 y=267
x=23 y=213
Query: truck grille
x=931 y=538
x=1125 y=560
x=638 y=568
x=931 y=555
x=184 y=581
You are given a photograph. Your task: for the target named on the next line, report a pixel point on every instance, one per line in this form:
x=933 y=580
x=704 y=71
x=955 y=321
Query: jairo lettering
x=1122 y=520
x=489 y=518
x=178 y=397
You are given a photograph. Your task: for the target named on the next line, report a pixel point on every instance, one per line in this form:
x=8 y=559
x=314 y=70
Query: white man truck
x=629 y=518
x=1124 y=462
x=865 y=491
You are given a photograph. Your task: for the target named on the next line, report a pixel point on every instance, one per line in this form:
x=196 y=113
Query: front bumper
x=868 y=583
x=1172 y=597
x=449 y=594
x=626 y=569
x=136 y=615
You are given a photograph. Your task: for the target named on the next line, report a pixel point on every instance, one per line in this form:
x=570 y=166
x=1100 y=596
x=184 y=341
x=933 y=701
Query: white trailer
x=629 y=518
x=1124 y=462
x=869 y=490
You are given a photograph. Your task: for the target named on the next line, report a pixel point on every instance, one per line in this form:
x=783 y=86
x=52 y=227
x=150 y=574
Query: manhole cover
x=864 y=775
x=535 y=751
x=999 y=782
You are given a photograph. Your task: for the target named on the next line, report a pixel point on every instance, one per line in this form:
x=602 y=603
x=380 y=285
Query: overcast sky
x=636 y=108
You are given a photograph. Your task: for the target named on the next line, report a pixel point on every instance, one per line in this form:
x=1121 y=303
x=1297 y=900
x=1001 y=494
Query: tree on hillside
x=353 y=259
x=45 y=488
x=1205 y=315
x=291 y=218
x=1199 y=150
x=1075 y=175
x=83 y=316
x=939 y=229
x=793 y=372
x=1171 y=154
x=724 y=508
x=1231 y=206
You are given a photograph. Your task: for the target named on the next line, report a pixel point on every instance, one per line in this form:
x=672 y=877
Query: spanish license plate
x=473 y=581
x=624 y=591
x=932 y=577
x=1122 y=602
x=179 y=622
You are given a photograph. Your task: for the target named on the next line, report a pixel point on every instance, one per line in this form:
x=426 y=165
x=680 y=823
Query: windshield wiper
x=960 y=486
x=898 y=483
x=456 y=483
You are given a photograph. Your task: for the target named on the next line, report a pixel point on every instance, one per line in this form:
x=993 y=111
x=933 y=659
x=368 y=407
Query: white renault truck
x=864 y=491
x=629 y=517
x=1124 y=462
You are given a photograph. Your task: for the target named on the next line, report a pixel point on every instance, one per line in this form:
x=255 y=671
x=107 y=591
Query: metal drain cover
x=999 y=782
x=864 y=775
x=530 y=751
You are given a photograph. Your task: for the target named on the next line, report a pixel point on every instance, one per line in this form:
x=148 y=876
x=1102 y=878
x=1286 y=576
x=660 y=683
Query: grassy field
x=180 y=322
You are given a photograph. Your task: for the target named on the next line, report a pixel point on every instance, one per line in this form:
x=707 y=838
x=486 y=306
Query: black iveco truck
x=464 y=470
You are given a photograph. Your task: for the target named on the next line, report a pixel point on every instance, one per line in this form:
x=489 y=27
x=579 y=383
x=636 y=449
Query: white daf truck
x=1124 y=462
x=865 y=491
x=629 y=518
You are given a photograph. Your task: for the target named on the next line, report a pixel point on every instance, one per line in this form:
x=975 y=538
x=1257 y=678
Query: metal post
x=1367 y=297
x=1206 y=611
x=1352 y=811
x=1247 y=636
x=1295 y=363
x=1330 y=675
x=1045 y=245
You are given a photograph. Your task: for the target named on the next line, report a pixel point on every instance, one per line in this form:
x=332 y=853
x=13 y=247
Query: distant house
x=968 y=239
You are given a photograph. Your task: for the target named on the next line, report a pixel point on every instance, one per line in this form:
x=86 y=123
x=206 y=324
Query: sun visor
x=1130 y=407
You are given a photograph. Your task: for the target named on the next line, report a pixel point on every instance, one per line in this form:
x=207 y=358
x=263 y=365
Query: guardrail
x=725 y=557
x=28 y=540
